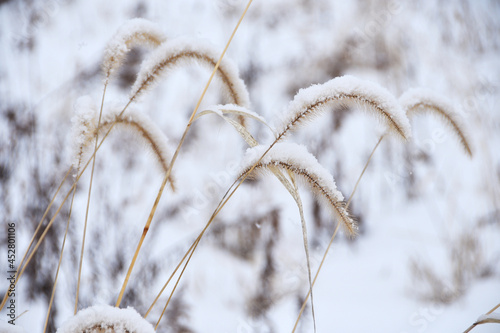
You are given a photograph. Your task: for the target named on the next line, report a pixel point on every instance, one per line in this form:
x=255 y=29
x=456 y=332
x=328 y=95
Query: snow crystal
x=186 y=50
x=336 y=91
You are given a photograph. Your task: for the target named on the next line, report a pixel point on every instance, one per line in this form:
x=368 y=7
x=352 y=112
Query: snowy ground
x=420 y=204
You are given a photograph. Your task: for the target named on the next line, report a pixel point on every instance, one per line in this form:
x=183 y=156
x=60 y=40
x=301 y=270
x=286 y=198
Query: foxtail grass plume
x=294 y=158
x=421 y=100
x=181 y=51
x=136 y=123
x=135 y=32
x=345 y=91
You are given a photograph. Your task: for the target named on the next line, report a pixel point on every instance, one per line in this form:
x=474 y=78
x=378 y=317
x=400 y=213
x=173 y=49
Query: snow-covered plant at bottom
x=106 y=319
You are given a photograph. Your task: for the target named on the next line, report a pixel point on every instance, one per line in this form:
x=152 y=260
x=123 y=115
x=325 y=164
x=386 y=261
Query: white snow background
x=420 y=204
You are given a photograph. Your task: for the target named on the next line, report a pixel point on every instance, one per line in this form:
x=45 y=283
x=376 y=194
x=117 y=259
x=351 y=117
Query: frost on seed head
x=295 y=158
x=184 y=51
x=420 y=100
x=134 y=122
x=133 y=33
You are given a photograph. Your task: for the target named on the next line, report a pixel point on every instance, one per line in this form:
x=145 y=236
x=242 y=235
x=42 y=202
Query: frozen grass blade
x=136 y=123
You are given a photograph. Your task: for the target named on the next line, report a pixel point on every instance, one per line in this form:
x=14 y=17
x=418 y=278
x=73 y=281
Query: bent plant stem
x=49 y=225
x=36 y=231
x=335 y=233
x=59 y=264
x=483 y=322
x=88 y=200
x=174 y=158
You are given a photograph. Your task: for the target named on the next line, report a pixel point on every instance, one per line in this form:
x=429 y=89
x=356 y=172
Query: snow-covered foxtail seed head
x=183 y=51
x=135 y=32
x=420 y=100
x=345 y=91
x=296 y=159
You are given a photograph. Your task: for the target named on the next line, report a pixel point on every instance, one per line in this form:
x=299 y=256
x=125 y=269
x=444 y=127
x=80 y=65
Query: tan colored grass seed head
x=136 y=123
x=290 y=157
x=135 y=32
x=345 y=91
x=420 y=100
